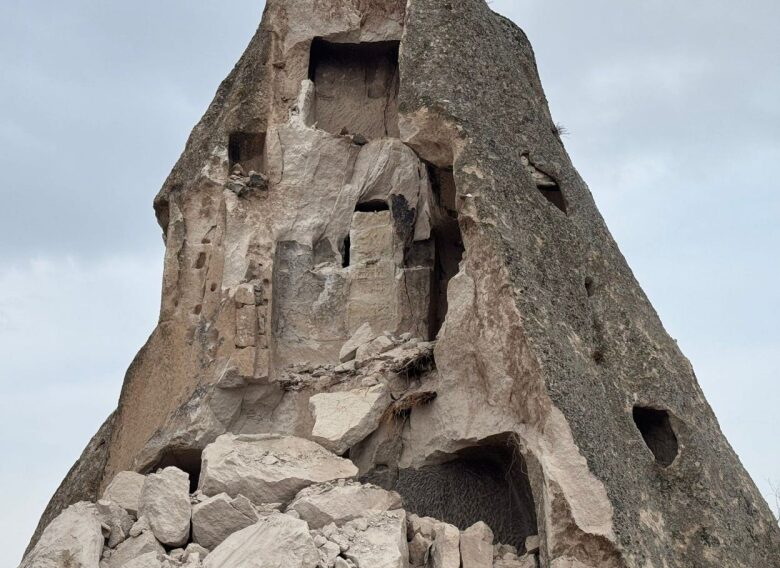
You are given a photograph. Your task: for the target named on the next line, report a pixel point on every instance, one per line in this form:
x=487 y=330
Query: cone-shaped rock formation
x=381 y=264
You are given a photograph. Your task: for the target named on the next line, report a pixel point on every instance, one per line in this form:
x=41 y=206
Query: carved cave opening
x=356 y=87
x=186 y=459
x=554 y=195
x=486 y=483
x=248 y=150
x=448 y=245
x=657 y=432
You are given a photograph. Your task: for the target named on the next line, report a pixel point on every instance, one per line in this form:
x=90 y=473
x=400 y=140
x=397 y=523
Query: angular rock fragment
x=326 y=503
x=132 y=548
x=362 y=336
x=148 y=560
x=446 y=546
x=476 y=546
x=268 y=468
x=165 y=502
x=117 y=519
x=217 y=518
x=531 y=561
x=342 y=419
x=73 y=539
x=378 y=540
x=420 y=550
x=125 y=490
x=276 y=541
x=368 y=351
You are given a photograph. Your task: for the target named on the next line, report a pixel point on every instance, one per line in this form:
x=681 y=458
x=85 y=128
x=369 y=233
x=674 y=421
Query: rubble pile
x=262 y=501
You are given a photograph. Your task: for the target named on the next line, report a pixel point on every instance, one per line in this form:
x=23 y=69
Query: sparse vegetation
x=560 y=130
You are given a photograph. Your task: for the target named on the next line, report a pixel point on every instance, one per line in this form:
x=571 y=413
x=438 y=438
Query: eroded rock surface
x=375 y=239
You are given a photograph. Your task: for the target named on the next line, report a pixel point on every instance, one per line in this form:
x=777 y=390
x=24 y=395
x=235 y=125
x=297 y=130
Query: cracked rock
x=268 y=468
x=342 y=419
x=165 y=502
x=218 y=517
x=338 y=503
x=125 y=490
x=276 y=541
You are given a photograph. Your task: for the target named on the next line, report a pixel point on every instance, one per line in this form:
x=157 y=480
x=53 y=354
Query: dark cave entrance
x=356 y=86
x=448 y=244
x=187 y=460
x=247 y=149
x=657 y=432
x=486 y=483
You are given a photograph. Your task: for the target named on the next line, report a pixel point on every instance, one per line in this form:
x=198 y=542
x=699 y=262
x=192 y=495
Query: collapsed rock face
x=377 y=202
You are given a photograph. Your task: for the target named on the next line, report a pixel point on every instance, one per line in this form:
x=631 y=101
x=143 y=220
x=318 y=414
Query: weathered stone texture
x=377 y=201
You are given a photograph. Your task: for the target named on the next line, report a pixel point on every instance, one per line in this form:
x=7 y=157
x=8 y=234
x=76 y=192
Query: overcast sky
x=673 y=110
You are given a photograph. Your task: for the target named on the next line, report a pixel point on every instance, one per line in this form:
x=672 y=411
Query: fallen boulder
x=476 y=546
x=268 y=468
x=74 y=538
x=341 y=502
x=273 y=542
x=125 y=490
x=217 y=518
x=165 y=502
x=342 y=419
x=378 y=540
x=362 y=336
x=446 y=546
x=131 y=549
x=117 y=519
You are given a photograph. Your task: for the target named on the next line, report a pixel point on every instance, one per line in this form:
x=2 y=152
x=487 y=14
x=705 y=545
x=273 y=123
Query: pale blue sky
x=675 y=124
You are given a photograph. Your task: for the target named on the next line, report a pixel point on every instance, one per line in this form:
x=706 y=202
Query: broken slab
x=446 y=546
x=273 y=542
x=148 y=560
x=217 y=518
x=165 y=502
x=342 y=419
x=378 y=540
x=363 y=335
x=268 y=468
x=125 y=490
x=132 y=548
x=117 y=519
x=341 y=502
x=476 y=546
x=74 y=538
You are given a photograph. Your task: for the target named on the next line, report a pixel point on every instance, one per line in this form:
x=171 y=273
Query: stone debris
x=148 y=560
x=117 y=520
x=165 y=502
x=337 y=523
x=218 y=517
x=74 y=538
x=342 y=501
x=342 y=419
x=362 y=336
x=125 y=490
x=377 y=541
x=132 y=548
x=446 y=546
x=275 y=541
x=476 y=546
x=268 y=468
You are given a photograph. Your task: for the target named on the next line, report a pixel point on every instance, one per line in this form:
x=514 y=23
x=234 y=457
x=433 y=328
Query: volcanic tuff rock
x=378 y=199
